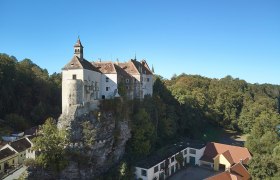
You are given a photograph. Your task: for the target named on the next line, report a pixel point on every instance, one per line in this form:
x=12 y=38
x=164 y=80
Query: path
x=16 y=174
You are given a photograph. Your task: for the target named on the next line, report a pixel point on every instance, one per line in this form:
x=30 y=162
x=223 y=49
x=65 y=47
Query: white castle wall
x=137 y=86
x=147 y=85
x=112 y=84
x=71 y=87
x=92 y=82
x=85 y=88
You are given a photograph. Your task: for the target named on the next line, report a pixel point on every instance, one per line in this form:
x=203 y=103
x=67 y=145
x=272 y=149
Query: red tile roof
x=129 y=67
x=240 y=170
x=225 y=176
x=228 y=156
x=105 y=67
x=237 y=153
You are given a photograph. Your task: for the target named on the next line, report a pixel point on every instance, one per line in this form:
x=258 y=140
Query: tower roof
x=76 y=63
x=78 y=43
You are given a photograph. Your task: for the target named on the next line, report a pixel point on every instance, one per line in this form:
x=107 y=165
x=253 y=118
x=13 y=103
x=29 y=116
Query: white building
x=87 y=82
x=15 y=153
x=164 y=163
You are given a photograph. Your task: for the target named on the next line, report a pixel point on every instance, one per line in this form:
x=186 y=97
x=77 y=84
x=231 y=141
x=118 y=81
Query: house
x=8 y=159
x=15 y=153
x=236 y=172
x=223 y=157
x=164 y=162
x=85 y=82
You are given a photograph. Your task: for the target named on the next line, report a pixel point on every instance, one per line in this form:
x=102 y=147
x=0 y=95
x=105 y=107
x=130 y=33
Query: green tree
x=142 y=133
x=180 y=159
x=51 y=144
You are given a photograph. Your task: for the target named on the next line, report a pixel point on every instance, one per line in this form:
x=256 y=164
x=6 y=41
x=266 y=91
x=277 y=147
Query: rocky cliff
x=97 y=139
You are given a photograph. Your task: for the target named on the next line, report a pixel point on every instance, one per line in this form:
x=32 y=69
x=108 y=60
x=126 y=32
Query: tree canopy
x=27 y=92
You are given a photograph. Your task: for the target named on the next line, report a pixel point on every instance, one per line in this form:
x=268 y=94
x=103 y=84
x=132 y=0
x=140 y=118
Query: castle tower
x=80 y=81
x=78 y=49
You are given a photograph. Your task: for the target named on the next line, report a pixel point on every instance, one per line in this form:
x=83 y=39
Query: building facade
x=87 y=82
x=15 y=153
x=164 y=163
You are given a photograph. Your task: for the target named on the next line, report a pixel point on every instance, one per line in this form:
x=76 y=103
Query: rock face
x=97 y=140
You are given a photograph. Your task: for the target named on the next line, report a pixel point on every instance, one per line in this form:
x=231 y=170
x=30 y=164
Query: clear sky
x=212 y=38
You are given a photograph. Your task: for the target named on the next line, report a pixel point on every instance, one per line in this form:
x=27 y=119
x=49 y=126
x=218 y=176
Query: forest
x=28 y=94
x=183 y=106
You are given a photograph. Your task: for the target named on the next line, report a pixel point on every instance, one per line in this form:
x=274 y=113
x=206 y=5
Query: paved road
x=16 y=174
x=193 y=173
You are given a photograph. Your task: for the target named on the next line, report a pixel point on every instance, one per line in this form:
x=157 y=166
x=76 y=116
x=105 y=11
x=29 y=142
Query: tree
x=17 y=122
x=142 y=133
x=51 y=144
x=180 y=159
x=262 y=167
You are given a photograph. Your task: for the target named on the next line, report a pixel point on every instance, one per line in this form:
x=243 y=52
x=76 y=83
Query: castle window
x=107 y=79
x=107 y=88
x=74 y=76
x=127 y=87
x=127 y=80
x=148 y=79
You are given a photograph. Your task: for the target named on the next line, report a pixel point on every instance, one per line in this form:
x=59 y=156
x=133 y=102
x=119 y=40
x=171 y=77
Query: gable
x=76 y=63
x=237 y=153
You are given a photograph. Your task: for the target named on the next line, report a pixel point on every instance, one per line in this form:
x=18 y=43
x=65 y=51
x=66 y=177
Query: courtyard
x=193 y=173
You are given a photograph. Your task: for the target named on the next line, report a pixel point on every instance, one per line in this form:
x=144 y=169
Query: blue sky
x=212 y=38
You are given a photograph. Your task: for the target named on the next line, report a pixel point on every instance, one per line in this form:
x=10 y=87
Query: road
x=16 y=174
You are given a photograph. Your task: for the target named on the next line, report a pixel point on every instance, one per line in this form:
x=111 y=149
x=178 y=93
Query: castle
x=85 y=82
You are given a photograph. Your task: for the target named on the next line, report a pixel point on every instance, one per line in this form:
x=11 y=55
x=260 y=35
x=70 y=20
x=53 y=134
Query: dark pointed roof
x=78 y=43
x=20 y=145
x=75 y=63
x=6 y=153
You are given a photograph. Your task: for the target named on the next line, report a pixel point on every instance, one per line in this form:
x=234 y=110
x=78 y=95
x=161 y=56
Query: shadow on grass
x=220 y=135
